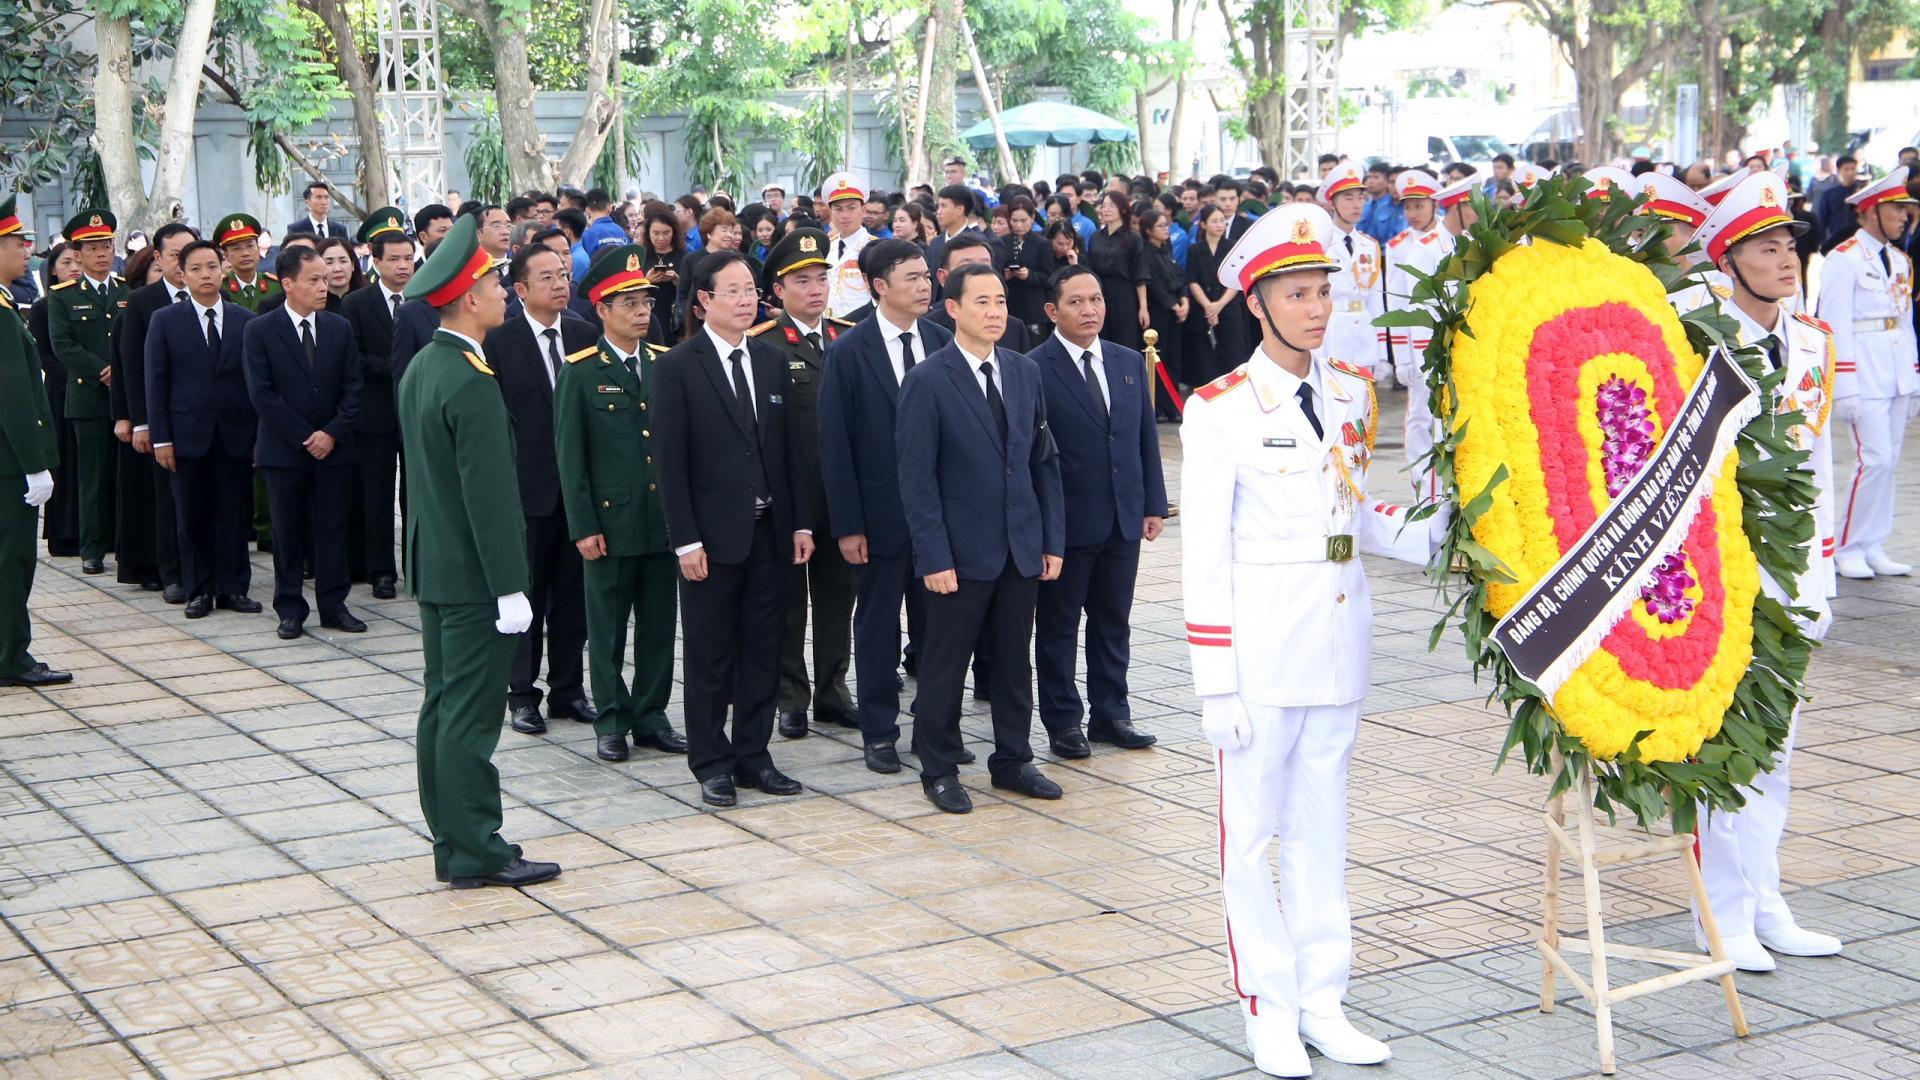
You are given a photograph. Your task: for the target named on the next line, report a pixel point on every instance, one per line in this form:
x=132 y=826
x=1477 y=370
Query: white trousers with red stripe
x=1866 y=513
x=1740 y=854
x=1290 y=951
x=1420 y=433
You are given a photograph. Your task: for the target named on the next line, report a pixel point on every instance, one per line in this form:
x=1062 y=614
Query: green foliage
x=818 y=134
x=556 y=46
x=486 y=155
x=268 y=51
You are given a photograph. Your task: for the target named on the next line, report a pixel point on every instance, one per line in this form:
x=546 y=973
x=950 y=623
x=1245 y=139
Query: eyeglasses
x=629 y=303
x=733 y=296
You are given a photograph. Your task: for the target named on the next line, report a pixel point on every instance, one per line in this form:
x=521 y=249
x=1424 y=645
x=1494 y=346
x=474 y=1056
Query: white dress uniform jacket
x=1868 y=304
x=846 y=286
x=1422 y=251
x=1357 y=301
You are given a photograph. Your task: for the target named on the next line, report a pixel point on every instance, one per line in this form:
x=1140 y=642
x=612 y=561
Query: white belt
x=1869 y=326
x=1273 y=552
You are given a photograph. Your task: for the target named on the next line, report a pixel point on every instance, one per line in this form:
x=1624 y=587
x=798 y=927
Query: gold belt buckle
x=1356 y=305
x=1340 y=547
x=1893 y=321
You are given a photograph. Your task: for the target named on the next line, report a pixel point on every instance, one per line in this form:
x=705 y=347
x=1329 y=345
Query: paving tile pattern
x=212 y=865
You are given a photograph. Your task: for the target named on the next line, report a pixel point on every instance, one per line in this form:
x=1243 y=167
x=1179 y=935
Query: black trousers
x=730 y=626
x=879 y=586
x=309 y=506
x=379 y=455
x=1003 y=610
x=1097 y=579
x=558 y=595
x=214 y=499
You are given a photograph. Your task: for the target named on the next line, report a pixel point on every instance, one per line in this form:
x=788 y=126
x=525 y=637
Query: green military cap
x=387 y=219
x=615 y=270
x=1253 y=207
x=235 y=228
x=453 y=267
x=9 y=221
x=90 y=224
x=799 y=248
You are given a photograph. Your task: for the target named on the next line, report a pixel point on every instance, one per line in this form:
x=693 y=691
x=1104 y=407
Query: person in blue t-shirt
x=1382 y=218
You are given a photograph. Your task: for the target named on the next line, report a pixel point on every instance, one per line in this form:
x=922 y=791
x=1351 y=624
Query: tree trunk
x=1009 y=172
x=1140 y=119
x=1830 y=101
x=175 y=151
x=917 y=170
x=1266 y=97
x=846 y=123
x=1593 y=74
x=1176 y=150
x=939 y=87
x=113 y=119
x=597 y=121
x=376 y=173
x=528 y=168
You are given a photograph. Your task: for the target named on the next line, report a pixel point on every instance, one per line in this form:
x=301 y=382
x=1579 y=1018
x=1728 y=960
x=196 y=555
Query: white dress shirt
x=389 y=296
x=310 y=319
x=1099 y=364
x=472 y=345
x=726 y=366
x=980 y=377
x=540 y=338
x=891 y=335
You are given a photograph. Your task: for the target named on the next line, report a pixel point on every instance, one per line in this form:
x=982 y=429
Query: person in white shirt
x=1356 y=278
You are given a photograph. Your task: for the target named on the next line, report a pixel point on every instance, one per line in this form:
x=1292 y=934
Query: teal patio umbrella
x=1049 y=123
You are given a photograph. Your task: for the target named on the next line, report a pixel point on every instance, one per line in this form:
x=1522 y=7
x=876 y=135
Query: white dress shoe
x=1743 y=949
x=1791 y=940
x=1276 y=1049
x=1853 y=566
x=1886 y=567
x=1341 y=1041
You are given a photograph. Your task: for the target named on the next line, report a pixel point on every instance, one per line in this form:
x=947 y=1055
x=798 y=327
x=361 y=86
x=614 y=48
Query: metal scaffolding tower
x=411 y=119
x=1312 y=71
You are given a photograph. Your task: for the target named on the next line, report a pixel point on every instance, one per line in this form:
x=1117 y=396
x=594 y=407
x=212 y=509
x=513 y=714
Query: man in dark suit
x=147 y=553
x=376 y=431
x=738 y=514
x=972 y=437
x=526 y=353
x=1100 y=410
x=319 y=201
x=859 y=393
x=203 y=428
x=971 y=247
x=303 y=374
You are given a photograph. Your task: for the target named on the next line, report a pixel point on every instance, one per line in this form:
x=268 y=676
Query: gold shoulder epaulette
x=576 y=357
x=840 y=322
x=1848 y=244
x=659 y=348
x=1720 y=291
x=269 y=277
x=1356 y=372
x=69 y=283
x=762 y=328
x=1404 y=233
x=1220 y=385
x=479 y=365
x=118 y=278
x=1430 y=237
x=1813 y=322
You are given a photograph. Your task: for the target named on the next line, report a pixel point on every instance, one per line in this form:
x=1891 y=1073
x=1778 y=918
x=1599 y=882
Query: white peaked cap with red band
x=1754 y=205
x=1289 y=237
x=1415 y=184
x=844 y=184
x=1890 y=188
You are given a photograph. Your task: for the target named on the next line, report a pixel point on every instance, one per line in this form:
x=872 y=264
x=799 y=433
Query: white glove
x=1846 y=410
x=39 y=488
x=515 y=614
x=1225 y=721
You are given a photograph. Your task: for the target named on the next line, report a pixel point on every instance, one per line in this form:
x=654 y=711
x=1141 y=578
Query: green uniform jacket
x=249 y=296
x=80 y=323
x=803 y=371
x=466 y=540
x=27 y=443
x=603 y=444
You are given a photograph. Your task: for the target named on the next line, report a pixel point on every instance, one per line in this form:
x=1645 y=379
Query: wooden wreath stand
x=1581 y=846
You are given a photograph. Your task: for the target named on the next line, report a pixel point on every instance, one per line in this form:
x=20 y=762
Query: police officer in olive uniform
x=602 y=437
x=798 y=273
x=27 y=454
x=466 y=564
x=81 y=315
x=238 y=237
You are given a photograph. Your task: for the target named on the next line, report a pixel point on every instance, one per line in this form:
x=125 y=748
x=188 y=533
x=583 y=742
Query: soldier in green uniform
x=466 y=564
x=238 y=237
x=603 y=445
x=27 y=455
x=80 y=318
x=797 y=273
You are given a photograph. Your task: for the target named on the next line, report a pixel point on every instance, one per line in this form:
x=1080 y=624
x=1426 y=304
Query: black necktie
x=907 y=359
x=1093 y=384
x=1886 y=265
x=213 y=334
x=843 y=249
x=742 y=393
x=553 y=353
x=179 y=296
x=1773 y=352
x=394 y=299
x=1349 y=240
x=994 y=405
x=306 y=340
x=813 y=340
x=1305 y=394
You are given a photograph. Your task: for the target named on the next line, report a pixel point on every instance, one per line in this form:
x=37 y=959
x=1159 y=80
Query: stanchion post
x=1152 y=338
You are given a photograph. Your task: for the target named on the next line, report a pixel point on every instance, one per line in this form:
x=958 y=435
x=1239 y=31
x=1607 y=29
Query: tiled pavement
x=211 y=865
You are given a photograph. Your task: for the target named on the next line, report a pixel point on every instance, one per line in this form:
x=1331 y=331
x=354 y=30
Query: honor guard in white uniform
x=847 y=236
x=1525 y=175
x=1456 y=208
x=1423 y=245
x=1279 y=623
x=1683 y=209
x=1749 y=236
x=1358 y=276
x=1866 y=296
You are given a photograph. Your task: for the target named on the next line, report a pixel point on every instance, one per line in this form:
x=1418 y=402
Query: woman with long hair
x=907 y=223
x=1217 y=328
x=1116 y=253
x=61 y=515
x=1029 y=266
x=343 y=270
x=1063 y=242
x=1167 y=307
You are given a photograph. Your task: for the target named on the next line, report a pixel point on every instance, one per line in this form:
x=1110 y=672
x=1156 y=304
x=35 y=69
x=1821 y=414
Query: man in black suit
x=972 y=436
x=147 y=552
x=859 y=392
x=203 y=427
x=319 y=201
x=972 y=247
x=526 y=353
x=1100 y=410
x=738 y=511
x=303 y=375
x=376 y=431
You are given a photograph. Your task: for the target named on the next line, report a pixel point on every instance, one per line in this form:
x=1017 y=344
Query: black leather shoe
x=966 y=757
x=345 y=623
x=1029 y=781
x=1122 y=734
x=947 y=794
x=580 y=709
x=443 y=877
x=526 y=720
x=771 y=781
x=39 y=675
x=610 y=747
x=174 y=594
x=883 y=757
x=514 y=875
x=718 y=791
x=93 y=566
x=289 y=629
x=153 y=586
x=1070 y=745
x=383 y=588
x=240 y=602
x=666 y=740
x=200 y=606
x=793 y=724
x=845 y=718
